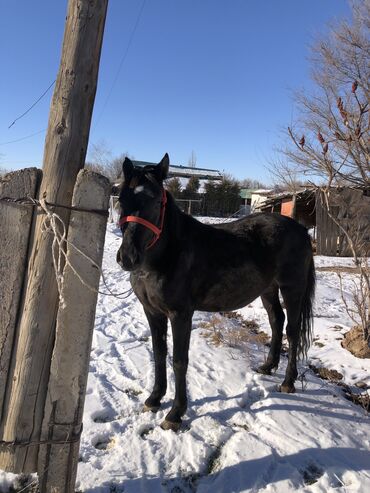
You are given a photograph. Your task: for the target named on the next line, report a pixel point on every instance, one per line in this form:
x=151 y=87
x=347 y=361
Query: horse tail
x=306 y=332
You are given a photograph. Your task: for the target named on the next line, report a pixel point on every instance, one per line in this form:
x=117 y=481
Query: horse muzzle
x=128 y=260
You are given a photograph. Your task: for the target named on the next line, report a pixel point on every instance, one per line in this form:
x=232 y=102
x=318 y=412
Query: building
x=193 y=204
x=184 y=173
x=258 y=198
x=349 y=213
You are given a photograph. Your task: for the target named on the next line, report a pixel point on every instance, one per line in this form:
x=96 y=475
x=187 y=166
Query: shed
x=349 y=206
x=299 y=205
x=258 y=198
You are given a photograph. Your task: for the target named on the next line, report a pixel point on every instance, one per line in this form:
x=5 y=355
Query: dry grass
x=231 y=330
x=326 y=373
x=361 y=399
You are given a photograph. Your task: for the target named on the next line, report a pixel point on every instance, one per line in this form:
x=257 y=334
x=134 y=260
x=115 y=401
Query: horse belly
x=233 y=291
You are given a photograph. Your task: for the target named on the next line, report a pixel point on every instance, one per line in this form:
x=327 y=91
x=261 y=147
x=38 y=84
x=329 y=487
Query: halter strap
x=155 y=229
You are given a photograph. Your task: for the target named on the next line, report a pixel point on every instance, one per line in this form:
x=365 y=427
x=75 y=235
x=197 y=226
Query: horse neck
x=172 y=221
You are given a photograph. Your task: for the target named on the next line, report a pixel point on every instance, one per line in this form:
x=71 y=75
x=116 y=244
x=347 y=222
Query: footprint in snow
x=311 y=473
x=104 y=417
x=253 y=394
x=104 y=442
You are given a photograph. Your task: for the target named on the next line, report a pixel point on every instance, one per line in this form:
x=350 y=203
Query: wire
x=23 y=138
x=124 y=56
x=33 y=105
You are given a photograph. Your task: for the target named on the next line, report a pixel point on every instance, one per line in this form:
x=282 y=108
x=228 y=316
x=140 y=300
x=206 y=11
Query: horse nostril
x=133 y=256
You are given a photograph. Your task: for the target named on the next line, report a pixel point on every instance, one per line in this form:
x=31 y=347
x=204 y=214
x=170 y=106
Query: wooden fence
x=350 y=208
x=47 y=442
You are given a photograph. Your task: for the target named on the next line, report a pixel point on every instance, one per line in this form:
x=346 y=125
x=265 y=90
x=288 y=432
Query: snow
x=202 y=183
x=239 y=434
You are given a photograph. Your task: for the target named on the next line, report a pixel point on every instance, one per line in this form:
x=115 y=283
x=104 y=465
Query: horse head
x=142 y=200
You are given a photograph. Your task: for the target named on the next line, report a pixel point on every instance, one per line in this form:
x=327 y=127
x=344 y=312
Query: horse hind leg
x=271 y=303
x=293 y=304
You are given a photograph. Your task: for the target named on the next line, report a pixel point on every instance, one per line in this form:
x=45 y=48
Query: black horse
x=179 y=265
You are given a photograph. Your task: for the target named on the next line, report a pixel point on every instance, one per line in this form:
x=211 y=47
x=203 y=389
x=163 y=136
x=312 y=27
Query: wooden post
x=15 y=226
x=294 y=206
x=319 y=223
x=75 y=322
x=64 y=155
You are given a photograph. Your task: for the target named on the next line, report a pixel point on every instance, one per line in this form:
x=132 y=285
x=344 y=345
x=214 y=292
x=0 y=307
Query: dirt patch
x=326 y=373
x=354 y=342
x=355 y=395
x=360 y=398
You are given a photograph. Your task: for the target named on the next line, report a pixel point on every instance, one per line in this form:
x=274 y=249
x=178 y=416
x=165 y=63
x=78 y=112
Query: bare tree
x=287 y=178
x=100 y=155
x=192 y=163
x=114 y=168
x=251 y=184
x=3 y=171
x=102 y=161
x=330 y=141
x=329 y=144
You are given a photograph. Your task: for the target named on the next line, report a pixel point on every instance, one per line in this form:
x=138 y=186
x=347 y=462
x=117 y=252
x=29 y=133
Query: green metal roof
x=246 y=193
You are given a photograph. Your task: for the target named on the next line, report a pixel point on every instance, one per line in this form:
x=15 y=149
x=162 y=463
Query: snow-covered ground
x=239 y=433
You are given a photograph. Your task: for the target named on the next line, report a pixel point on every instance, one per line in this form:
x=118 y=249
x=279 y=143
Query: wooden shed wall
x=351 y=208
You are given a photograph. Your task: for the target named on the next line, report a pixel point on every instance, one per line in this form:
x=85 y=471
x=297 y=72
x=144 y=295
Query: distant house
x=253 y=200
x=246 y=196
x=191 y=205
x=258 y=198
x=184 y=173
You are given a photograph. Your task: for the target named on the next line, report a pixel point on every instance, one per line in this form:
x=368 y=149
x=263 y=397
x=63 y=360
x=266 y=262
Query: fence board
x=15 y=225
x=319 y=224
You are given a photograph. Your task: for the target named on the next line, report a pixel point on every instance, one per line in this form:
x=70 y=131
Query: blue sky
x=210 y=76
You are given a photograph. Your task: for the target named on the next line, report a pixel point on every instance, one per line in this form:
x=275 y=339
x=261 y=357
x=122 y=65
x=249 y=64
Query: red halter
x=157 y=231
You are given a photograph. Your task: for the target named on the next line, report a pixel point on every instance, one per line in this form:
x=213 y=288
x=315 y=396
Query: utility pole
x=64 y=155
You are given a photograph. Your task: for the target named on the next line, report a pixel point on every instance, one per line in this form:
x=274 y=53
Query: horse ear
x=127 y=168
x=163 y=167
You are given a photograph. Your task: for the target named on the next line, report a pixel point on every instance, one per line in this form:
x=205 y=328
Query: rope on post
x=54 y=224
x=28 y=201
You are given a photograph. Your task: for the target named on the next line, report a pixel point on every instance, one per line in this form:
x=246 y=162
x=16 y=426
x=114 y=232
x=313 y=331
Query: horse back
x=235 y=262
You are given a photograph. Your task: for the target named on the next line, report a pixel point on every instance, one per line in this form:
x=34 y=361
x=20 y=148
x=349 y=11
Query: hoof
x=286 y=389
x=170 y=425
x=265 y=370
x=147 y=408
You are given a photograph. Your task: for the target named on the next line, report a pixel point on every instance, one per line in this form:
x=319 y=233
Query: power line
x=23 y=138
x=124 y=56
x=33 y=105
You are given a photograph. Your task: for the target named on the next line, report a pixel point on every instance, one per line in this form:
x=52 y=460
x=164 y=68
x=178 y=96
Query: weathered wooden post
x=75 y=322
x=64 y=155
x=15 y=227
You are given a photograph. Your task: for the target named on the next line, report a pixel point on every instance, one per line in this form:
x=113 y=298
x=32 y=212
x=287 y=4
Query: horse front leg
x=181 y=329
x=158 y=329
